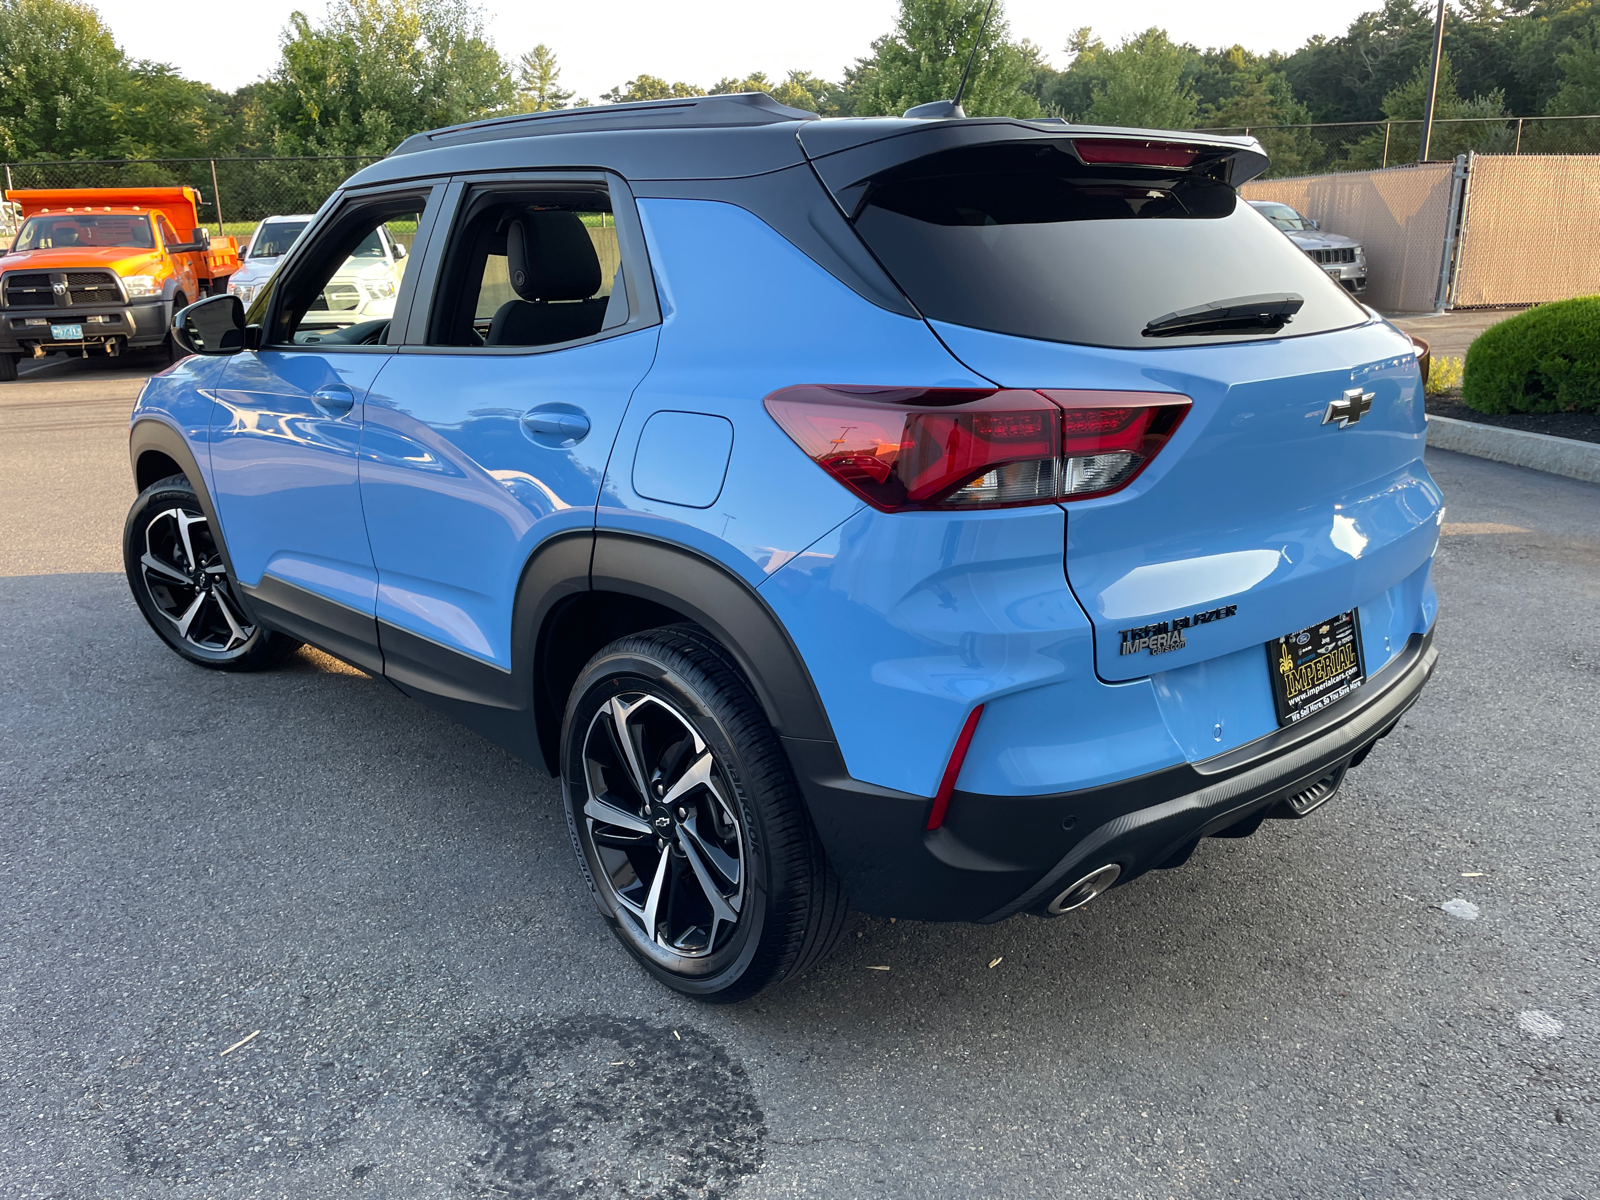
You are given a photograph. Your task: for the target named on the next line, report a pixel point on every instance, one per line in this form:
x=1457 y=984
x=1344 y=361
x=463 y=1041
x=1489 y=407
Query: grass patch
x=1545 y=360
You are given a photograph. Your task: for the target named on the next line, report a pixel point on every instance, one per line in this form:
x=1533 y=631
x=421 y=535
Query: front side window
x=530 y=267
x=169 y=236
x=343 y=290
x=57 y=233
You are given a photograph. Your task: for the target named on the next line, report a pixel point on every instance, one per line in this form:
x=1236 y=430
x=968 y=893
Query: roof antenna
x=936 y=109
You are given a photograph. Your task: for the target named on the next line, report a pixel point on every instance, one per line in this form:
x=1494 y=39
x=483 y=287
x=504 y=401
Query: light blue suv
x=946 y=519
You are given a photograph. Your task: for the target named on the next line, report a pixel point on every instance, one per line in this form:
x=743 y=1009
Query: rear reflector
x=908 y=449
x=1135 y=153
x=952 y=769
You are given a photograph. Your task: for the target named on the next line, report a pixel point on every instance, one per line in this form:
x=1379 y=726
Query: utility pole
x=1433 y=85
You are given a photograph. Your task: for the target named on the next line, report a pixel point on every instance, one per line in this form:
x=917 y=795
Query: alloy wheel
x=188 y=582
x=662 y=826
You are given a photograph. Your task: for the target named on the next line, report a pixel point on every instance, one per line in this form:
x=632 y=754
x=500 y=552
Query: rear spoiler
x=849 y=154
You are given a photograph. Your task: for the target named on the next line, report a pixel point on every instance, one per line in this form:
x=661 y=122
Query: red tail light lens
x=1135 y=152
x=904 y=449
x=1109 y=437
x=911 y=448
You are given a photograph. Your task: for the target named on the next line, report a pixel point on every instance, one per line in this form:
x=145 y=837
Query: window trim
x=339 y=205
x=644 y=306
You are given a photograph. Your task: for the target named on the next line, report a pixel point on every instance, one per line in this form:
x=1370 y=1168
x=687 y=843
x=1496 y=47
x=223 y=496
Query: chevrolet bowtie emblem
x=1348 y=408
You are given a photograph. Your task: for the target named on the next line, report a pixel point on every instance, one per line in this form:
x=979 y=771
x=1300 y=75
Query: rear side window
x=531 y=266
x=1023 y=238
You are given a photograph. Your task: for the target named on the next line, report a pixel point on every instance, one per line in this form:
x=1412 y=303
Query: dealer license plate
x=1316 y=667
x=67 y=333
x=1336 y=272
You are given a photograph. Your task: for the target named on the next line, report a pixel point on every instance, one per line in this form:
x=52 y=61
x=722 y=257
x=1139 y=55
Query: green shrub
x=1544 y=360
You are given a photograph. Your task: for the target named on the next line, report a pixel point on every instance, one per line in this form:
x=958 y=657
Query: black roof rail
x=739 y=108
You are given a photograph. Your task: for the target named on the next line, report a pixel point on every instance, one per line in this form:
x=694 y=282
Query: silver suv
x=1341 y=257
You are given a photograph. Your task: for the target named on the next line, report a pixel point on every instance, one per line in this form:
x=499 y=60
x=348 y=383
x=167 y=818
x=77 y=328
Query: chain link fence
x=1484 y=231
x=1373 y=145
x=235 y=192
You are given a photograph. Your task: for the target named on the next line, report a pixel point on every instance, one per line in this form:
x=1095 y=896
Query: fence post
x=216 y=196
x=1454 y=225
x=1387 y=125
x=8 y=177
x=1518 y=150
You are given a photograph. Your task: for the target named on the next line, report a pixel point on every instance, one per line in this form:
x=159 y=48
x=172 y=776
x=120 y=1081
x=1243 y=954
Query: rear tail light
x=908 y=449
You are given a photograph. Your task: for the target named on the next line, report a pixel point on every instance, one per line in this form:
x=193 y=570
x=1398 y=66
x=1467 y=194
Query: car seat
x=554 y=269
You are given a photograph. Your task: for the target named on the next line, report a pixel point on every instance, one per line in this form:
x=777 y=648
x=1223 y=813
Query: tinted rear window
x=1022 y=238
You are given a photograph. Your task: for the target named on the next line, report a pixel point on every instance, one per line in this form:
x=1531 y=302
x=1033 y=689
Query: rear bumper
x=131 y=324
x=1000 y=855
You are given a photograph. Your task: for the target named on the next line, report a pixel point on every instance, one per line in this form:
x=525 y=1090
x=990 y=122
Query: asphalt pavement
x=292 y=935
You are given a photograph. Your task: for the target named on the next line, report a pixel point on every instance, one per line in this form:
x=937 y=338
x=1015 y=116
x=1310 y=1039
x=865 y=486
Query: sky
x=599 y=45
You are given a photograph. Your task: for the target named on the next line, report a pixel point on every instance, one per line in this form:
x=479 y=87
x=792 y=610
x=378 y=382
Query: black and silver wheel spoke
x=185 y=577
x=658 y=817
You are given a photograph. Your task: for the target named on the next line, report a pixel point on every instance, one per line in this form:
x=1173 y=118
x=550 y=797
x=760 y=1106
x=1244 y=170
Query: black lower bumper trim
x=137 y=325
x=1001 y=855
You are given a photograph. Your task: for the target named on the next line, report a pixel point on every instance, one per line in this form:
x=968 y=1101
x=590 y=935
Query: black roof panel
x=715 y=137
x=690 y=112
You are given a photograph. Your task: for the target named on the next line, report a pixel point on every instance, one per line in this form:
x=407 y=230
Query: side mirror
x=399 y=251
x=214 y=326
x=189 y=247
x=1312 y=221
x=244 y=251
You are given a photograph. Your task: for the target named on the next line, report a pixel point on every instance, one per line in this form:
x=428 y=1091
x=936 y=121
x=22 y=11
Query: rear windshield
x=1022 y=238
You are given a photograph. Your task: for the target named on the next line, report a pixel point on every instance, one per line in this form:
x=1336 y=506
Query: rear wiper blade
x=1247 y=314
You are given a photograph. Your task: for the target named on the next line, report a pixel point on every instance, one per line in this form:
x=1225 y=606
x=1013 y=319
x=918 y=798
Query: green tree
x=649 y=87
x=1241 y=91
x=157 y=113
x=1070 y=93
x=539 y=81
x=922 y=58
x=58 y=65
x=1407 y=102
x=1041 y=76
x=1142 y=85
x=377 y=71
x=1579 y=93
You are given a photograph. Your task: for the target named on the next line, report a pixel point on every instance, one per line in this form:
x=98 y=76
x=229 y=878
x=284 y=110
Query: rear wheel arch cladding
x=713 y=597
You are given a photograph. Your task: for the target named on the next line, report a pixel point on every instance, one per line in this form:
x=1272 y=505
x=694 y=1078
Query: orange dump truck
x=101 y=270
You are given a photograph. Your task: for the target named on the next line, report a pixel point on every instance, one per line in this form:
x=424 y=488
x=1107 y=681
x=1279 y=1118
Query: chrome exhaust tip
x=1085 y=890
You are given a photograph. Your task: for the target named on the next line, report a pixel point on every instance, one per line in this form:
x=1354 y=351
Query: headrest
x=551 y=257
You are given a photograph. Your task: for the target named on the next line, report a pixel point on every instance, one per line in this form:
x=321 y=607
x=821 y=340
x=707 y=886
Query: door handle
x=335 y=399
x=556 y=426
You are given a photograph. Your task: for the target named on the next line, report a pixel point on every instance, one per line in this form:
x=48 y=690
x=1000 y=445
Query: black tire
x=176 y=571
x=8 y=368
x=169 y=349
x=690 y=715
